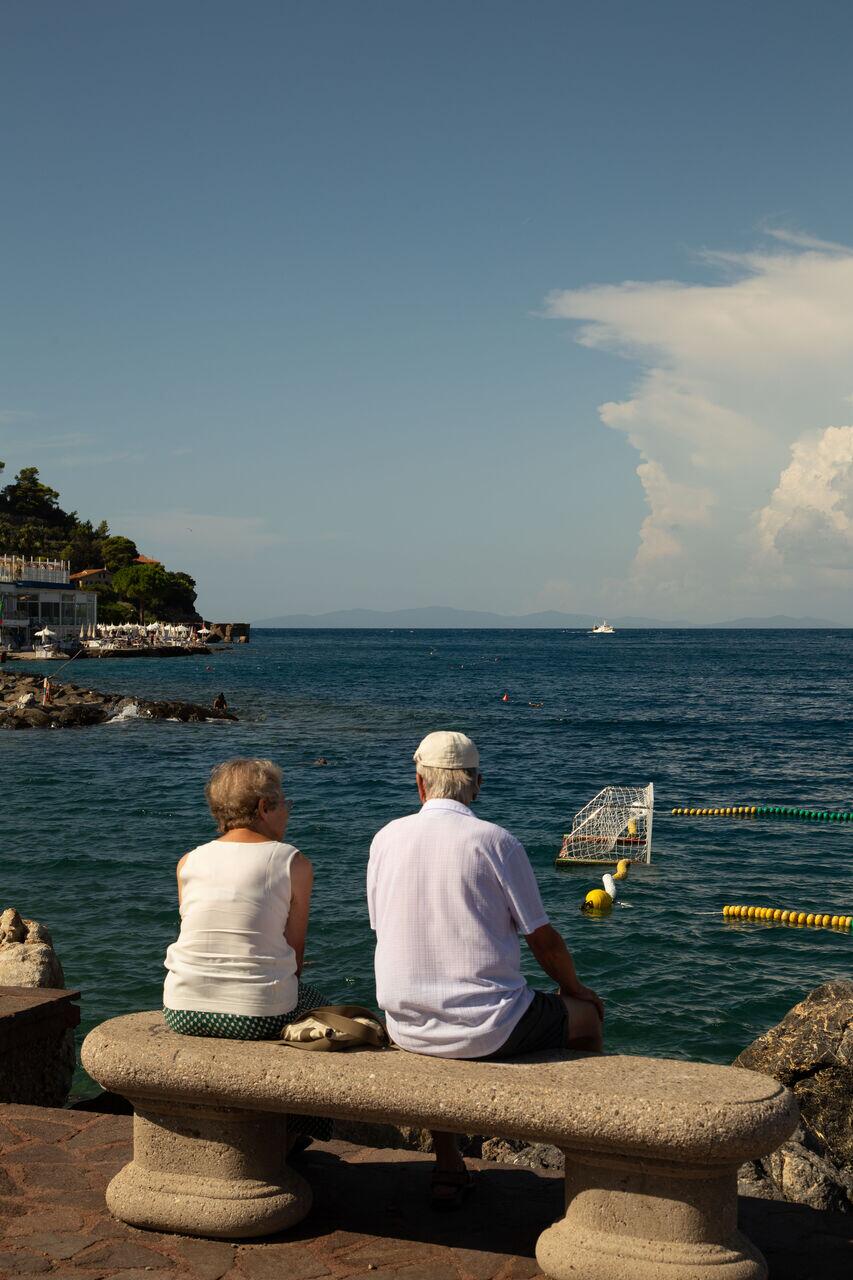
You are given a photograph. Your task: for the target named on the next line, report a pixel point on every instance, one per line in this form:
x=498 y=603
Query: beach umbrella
x=45 y=631
x=152 y=626
x=203 y=630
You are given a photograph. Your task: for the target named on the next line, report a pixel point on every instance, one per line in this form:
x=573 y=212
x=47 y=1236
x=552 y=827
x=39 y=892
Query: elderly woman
x=244 y=900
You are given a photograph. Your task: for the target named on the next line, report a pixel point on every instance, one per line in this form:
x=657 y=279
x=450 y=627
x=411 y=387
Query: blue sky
x=329 y=304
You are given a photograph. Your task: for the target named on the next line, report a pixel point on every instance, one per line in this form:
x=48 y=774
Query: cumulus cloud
x=737 y=384
x=808 y=522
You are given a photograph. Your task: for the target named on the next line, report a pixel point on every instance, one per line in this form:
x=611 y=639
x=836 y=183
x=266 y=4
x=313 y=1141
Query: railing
x=24 y=569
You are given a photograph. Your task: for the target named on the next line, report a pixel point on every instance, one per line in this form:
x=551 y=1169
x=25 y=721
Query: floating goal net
x=617 y=823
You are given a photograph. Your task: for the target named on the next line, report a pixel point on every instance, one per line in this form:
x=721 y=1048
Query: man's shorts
x=542 y=1027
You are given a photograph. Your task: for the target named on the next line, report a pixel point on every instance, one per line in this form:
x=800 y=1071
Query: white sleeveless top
x=231 y=955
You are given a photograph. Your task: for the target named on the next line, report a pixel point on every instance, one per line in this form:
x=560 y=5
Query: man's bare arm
x=553 y=956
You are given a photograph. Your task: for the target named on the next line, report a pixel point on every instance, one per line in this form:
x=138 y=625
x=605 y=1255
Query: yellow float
x=598 y=902
x=813 y=919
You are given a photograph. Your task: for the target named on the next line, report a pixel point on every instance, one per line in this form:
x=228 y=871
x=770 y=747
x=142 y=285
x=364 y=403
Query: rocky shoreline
x=71 y=706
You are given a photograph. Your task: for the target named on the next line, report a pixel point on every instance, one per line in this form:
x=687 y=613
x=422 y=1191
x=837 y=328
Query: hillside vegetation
x=32 y=524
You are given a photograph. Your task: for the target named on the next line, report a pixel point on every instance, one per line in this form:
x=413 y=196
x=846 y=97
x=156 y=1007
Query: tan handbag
x=334 y=1027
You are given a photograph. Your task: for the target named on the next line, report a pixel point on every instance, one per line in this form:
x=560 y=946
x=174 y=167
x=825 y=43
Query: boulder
x=13 y=720
x=12 y=927
x=35 y=717
x=526 y=1155
x=77 y=714
x=30 y=964
x=805 y=1177
x=38 y=1068
x=811 y=1051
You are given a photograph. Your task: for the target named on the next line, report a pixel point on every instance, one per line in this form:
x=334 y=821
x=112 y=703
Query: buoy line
x=765 y=811
x=814 y=919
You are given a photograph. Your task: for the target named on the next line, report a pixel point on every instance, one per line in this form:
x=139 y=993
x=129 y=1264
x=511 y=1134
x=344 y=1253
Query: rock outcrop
x=70 y=706
x=810 y=1051
x=36 y=1068
x=27 y=957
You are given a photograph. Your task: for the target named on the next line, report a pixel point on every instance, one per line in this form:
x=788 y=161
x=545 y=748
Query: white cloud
x=737 y=384
x=808 y=522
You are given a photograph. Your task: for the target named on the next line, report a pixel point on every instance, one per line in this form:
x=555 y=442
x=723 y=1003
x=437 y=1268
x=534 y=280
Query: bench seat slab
x=208 y=1171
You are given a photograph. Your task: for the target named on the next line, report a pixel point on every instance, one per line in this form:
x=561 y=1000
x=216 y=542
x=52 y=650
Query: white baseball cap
x=447 y=749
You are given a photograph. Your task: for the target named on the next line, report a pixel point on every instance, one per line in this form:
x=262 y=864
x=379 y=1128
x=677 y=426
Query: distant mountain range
x=441 y=618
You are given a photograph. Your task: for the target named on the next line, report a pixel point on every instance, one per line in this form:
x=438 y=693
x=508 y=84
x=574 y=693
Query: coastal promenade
x=370 y=1217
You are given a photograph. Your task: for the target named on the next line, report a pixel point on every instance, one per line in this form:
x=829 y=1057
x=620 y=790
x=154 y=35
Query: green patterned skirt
x=238 y=1026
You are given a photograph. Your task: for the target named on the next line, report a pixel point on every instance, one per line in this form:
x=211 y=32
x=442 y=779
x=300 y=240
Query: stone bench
x=652 y=1146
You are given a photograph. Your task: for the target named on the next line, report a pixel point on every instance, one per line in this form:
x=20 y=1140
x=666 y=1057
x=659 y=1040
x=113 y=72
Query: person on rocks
x=448 y=896
x=244 y=899
x=219 y=703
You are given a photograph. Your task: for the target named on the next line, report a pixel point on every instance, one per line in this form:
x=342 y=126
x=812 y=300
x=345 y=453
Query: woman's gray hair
x=236 y=788
x=461 y=785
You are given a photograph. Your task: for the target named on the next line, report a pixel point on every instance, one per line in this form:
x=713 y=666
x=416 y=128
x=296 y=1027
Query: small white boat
x=602 y=628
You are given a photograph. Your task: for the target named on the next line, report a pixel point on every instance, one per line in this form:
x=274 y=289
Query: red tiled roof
x=146 y=560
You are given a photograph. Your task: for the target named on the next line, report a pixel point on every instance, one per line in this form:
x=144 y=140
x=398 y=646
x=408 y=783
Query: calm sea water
x=95 y=819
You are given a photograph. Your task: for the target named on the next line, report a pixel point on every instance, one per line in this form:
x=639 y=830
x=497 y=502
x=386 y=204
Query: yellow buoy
x=834 y=922
x=622 y=866
x=598 y=900
x=784 y=916
x=801 y=917
x=777 y=914
x=810 y=918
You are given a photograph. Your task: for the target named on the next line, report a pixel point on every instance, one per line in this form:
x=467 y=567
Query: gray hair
x=461 y=785
x=236 y=788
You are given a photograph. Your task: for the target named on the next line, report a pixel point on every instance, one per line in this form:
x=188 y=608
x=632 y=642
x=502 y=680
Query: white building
x=39 y=593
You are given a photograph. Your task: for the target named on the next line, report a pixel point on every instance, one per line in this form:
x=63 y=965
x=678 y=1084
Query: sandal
x=449 y=1189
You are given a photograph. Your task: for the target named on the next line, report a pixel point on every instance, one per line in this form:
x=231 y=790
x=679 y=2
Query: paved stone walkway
x=369 y=1216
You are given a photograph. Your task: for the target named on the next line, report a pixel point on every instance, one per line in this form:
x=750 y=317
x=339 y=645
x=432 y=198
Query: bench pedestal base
x=208 y=1171
x=648 y=1220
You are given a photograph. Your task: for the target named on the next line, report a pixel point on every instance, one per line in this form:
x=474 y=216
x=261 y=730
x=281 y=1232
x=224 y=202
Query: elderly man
x=448 y=896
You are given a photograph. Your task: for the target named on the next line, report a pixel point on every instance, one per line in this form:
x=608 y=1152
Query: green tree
x=144 y=585
x=117 y=552
x=112 y=610
x=83 y=547
x=27 y=498
x=180 y=600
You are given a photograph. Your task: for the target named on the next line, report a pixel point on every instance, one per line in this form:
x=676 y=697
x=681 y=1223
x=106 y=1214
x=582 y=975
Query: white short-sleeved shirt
x=448 y=897
x=232 y=955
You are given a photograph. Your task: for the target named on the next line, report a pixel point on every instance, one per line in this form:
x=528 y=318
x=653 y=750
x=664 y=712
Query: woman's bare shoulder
x=301 y=865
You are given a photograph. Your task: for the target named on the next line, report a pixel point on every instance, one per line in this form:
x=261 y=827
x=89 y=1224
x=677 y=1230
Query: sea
x=95 y=819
